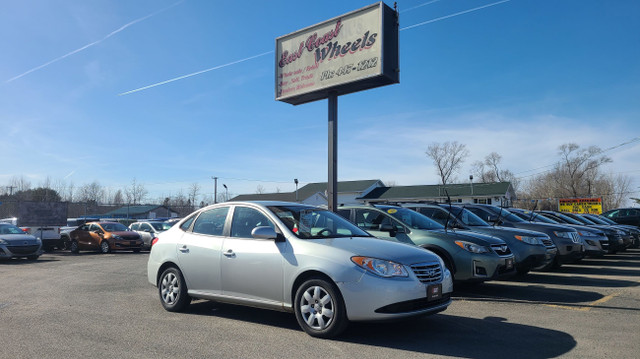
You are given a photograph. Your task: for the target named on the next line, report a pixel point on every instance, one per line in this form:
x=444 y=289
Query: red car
x=105 y=237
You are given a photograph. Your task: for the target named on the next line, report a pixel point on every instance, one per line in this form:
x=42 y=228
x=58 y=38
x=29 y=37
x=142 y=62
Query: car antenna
x=446 y=223
x=499 y=215
x=533 y=211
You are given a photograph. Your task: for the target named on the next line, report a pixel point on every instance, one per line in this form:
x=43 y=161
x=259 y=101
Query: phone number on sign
x=347 y=69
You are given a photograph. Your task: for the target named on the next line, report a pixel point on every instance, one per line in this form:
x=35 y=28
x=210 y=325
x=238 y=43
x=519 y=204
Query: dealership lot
x=101 y=306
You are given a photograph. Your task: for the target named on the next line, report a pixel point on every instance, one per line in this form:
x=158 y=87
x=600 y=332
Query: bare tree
x=91 y=192
x=489 y=171
x=448 y=158
x=17 y=184
x=194 y=191
x=135 y=193
x=118 y=198
x=260 y=189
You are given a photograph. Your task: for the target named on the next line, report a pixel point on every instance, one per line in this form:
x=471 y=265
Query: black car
x=624 y=216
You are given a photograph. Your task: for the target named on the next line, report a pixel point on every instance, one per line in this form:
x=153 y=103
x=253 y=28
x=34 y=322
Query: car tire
x=173 y=290
x=33 y=257
x=104 y=247
x=137 y=250
x=320 y=309
x=74 y=248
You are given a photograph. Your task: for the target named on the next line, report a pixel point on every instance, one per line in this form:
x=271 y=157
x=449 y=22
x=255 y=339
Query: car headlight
x=590 y=242
x=2 y=241
x=566 y=235
x=381 y=267
x=115 y=236
x=587 y=234
x=529 y=240
x=619 y=232
x=472 y=247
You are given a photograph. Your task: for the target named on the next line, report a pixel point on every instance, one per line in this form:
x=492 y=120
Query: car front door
x=199 y=251
x=252 y=268
x=81 y=235
x=381 y=225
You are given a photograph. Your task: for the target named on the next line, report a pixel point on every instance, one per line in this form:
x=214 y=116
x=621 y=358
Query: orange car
x=105 y=237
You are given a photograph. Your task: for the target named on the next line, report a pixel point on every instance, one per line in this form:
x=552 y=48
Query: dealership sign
x=349 y=53
x=580 y=205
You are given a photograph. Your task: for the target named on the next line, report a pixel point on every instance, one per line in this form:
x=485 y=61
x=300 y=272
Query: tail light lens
x=153 y=241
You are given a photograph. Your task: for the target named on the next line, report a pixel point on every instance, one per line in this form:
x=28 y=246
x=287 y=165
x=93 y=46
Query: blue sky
x=518 y=77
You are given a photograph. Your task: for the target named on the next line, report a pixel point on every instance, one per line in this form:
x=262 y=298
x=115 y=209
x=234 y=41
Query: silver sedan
x=14 y=242
x=295 y=258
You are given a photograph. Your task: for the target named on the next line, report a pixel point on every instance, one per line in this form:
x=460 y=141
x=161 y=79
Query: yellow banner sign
x=581 y=205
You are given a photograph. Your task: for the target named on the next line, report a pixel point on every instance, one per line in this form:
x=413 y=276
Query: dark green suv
x=469 y=256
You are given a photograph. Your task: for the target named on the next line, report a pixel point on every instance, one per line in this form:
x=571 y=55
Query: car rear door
x=252 y=268
x=198 y=251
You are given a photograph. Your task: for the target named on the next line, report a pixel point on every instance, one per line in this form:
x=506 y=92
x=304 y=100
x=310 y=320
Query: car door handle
x=184 y=249
x=229 y=253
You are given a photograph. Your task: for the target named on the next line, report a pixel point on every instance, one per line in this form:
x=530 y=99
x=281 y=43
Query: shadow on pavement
x=579 y=281
x=440 y=334
x=502 y=291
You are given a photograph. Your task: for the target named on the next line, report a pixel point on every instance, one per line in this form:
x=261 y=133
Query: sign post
x=350 y=53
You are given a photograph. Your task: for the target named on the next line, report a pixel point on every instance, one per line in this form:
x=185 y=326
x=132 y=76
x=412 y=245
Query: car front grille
x=575 y=237
x=23 y=249
x=501 y=249
x=427 y=272
x=547 y=242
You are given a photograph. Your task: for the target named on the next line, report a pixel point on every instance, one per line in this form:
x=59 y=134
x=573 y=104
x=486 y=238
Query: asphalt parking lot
x=101 y=306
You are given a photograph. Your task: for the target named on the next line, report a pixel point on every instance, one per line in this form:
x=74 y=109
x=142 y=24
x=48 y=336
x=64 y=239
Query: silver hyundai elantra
x=295 y=258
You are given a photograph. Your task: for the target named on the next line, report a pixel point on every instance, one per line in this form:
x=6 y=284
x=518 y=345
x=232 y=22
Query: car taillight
x=154 y=240
x=26 y=229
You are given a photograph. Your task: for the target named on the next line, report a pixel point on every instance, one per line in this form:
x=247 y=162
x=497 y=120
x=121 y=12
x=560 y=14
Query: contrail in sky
x=93 y=43
x=270 y=52
x=195 y=73
x=452 y=15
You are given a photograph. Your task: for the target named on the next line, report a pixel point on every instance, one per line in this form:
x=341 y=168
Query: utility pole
x=11 y=190
x=215 y=189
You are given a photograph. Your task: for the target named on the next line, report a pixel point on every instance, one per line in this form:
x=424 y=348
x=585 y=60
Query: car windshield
x=566 y=218
x=10 y=229
x=311 y=223
x=161 y=226
x=413 y=219
x=467 y=217
x=504 y=215
x=534 y=217
x=114 y=227
x=604 y=220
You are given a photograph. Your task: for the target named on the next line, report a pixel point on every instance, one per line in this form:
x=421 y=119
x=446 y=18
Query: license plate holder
x=508 y=263
x=434 y=292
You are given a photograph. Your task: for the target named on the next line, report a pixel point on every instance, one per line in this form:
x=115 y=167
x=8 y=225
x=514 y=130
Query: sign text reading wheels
x=349 y=53
x=580 y=205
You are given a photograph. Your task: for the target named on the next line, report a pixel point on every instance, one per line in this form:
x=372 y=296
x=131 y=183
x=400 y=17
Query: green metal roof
x=430 y=192
x=308 y=190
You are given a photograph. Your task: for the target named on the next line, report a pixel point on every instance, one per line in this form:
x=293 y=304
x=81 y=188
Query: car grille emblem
x=430 y=272
x=504 y=248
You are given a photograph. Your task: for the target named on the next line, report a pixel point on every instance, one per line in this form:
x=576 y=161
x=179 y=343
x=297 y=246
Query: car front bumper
x=393 y=298
x=9 y=251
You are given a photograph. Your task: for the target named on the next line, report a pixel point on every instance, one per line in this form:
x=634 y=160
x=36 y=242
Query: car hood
x=509 y=231
x=464 y=235
x=542 y=227
x=380 y=248
x=125 y=234
x=19 y=239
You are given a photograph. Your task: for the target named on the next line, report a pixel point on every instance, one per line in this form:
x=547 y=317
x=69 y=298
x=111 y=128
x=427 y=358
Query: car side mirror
x=264 y=232
x=393 y=230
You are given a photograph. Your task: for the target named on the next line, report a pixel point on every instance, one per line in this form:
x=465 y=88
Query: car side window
x=368 y=219
x=345 y=213
x=94 y=227
x=84 y=227
x=245 y=219
x=135 y=226
x=211 y=222
x=187 y=224
x=145 y=227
